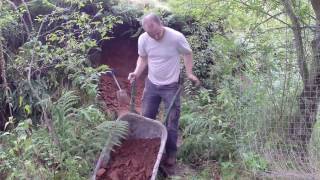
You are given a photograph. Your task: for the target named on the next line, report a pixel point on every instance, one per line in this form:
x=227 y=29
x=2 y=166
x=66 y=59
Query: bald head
x=151 y=23
x=150 y=18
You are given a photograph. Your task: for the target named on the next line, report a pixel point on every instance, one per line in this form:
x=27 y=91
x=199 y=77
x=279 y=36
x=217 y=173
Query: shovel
x=122 y=95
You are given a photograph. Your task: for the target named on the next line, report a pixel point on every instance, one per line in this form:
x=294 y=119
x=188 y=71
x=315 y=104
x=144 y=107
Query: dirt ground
x=133 y=160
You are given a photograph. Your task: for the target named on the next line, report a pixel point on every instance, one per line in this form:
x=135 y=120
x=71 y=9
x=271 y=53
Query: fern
x=206 y=135
x=66 y=103
x=83 y=132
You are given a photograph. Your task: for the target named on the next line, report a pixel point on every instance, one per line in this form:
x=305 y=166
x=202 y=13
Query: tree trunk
x=296 y=28
x=301 y=127
x=3 y=84
x=309 y=98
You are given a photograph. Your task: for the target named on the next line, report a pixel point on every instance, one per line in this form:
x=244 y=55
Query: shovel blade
x=123 y=97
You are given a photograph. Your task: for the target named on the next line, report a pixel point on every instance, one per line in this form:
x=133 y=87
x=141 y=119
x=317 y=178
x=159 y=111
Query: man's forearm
x=141 y=65
x=188 y=62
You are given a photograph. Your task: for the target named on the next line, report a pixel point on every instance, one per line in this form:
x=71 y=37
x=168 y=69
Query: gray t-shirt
x=164 y=55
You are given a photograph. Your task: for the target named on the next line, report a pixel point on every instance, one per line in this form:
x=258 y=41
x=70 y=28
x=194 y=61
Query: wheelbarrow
x=140 y=127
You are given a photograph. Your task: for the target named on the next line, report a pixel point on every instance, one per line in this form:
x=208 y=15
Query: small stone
x=101 y=172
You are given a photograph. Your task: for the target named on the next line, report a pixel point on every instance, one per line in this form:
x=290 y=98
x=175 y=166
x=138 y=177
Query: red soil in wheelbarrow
x=133 y=160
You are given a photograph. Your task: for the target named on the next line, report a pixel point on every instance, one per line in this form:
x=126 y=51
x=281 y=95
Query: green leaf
x=20 y=101
x=27 y=109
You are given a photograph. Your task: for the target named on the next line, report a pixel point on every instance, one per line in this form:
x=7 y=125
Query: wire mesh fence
x=278 y=132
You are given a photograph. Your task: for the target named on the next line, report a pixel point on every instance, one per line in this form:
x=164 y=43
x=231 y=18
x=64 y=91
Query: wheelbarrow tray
x=140 y=127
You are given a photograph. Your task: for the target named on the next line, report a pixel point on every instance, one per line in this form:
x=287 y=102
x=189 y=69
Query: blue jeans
x=151 y=98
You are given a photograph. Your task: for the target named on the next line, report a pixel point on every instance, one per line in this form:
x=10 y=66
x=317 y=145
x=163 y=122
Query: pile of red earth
x=108 y=92
x=133 y=160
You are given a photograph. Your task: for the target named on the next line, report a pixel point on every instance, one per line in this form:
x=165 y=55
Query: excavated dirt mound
x=120 y=54
x=133 y=160
x=108 y=89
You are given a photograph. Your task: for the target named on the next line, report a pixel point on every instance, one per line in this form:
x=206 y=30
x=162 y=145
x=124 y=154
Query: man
x=160 y=49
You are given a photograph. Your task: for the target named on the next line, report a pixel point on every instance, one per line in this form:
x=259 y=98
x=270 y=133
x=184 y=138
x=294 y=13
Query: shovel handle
x=133 y=96
x=115 y=79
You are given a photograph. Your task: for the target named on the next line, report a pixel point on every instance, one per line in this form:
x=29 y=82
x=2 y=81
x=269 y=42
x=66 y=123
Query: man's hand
x=142 y=63
x=132 y=76
x=194 y=79
x=189 y=64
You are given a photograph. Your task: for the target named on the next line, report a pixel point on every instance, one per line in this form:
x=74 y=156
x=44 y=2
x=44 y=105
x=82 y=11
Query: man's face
x=154 y=30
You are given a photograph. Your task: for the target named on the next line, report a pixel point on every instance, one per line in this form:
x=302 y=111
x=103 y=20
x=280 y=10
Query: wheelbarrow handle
x=167 y=114
x=171 y=104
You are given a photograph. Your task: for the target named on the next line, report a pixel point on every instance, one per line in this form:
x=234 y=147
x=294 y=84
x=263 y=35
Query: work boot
x=170 y=159
x=168 y=164
x=167 y=170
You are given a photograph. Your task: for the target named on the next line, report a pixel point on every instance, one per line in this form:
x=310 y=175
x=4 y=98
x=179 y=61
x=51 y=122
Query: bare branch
x=266 y=20
x=264 y=12
x=316 y=8
x=2 y=63
x=3 y=72
x=296 y=28
x=28 y=13
x=312 y=28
